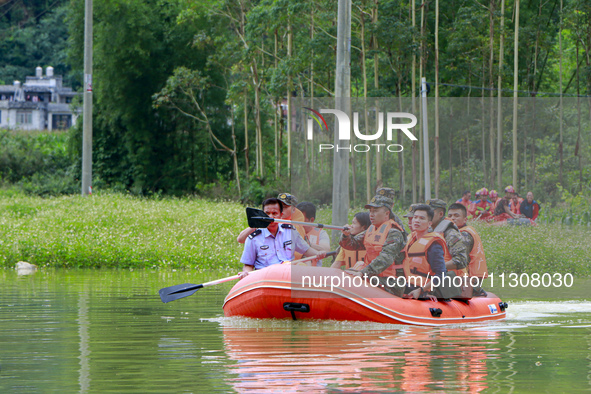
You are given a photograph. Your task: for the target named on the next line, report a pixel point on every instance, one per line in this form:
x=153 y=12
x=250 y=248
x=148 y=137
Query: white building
x=40 y=103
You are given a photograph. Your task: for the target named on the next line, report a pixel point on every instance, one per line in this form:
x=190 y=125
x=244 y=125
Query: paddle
x=173 y=293
x=257 y=218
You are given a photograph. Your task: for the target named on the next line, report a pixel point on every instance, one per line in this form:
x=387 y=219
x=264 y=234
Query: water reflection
x=83 y=323
x=408 y=359
x=107 y=331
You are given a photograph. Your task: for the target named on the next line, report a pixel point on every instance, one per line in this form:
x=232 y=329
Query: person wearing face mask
x=383 y=241
x=289 y=212
x=275 y=244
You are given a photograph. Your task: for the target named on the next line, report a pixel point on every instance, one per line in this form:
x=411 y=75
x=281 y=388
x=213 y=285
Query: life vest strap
x=417 y=272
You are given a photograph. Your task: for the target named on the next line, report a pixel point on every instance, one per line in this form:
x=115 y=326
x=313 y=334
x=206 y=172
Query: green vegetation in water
x=117 y=230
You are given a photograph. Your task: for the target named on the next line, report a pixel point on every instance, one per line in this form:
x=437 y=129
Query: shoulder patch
x=255 y=233
x=287 y=225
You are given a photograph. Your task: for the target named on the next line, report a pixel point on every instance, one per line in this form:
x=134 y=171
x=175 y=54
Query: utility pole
x=426 y=139
x=515 y=87
x=340 y=184
x=87 y=114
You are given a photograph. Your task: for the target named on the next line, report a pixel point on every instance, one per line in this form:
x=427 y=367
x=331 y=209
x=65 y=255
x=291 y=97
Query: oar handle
x=230 y=278
x=218 y=281
x=313 y=257
x=319 y=225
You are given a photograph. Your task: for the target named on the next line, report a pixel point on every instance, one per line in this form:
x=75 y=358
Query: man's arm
x=536 y=211
x=390 y=253
x=244 y=234
x=340 y=260
x=457 y=249
x=248 y=257
x=352 y=242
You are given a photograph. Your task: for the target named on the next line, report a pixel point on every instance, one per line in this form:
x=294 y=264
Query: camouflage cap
x=384 y=198
x=437 y=203
x=411 y=211
x=288 y=199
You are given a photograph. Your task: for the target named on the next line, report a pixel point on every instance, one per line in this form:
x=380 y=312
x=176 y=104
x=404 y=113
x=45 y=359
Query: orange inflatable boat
x=298 y=292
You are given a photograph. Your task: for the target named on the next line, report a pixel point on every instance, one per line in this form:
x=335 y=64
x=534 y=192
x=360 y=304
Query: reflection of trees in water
x=409 y=359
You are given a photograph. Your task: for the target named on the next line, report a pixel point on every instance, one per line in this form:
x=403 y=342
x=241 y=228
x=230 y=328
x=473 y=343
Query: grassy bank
x=114 y=230
x=119 y=231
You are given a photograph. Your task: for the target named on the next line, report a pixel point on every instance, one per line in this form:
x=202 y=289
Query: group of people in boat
x=488 y=206
x=376 y=244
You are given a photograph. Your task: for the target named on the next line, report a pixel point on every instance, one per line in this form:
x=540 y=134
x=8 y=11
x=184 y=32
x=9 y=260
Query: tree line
x=191 y=96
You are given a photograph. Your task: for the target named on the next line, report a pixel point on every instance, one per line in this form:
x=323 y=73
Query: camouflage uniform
x=392 y=248
x=453 y=237
x=288 y=199
x=410 y=214
x=411 y=211
x=469 y=241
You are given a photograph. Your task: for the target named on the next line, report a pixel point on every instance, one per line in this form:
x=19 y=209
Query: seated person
x=481 y=209
x=456 y=257
x=383 y=241
x=494 y=199
x=316 y=237
x=290 y=212
x=530 y=208
x=424 y=260
x=410 y=214
x=503 y=210
x=465 y=200
x=476 y=258
x=349 y=258
x=515 y=204
x=274 y=244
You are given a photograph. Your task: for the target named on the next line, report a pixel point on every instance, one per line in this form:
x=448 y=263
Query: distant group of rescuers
x=441 y=258
x=499 y=209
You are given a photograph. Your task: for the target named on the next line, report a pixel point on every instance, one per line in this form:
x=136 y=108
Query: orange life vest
x=374 y=240
x=298 y=216
x=415 y=260
x=351 y=257
x=516 y=206
x=477 y=266
x=313 y=237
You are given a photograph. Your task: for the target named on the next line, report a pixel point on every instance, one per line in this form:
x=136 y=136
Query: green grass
x=120 y=231
x=116 y=230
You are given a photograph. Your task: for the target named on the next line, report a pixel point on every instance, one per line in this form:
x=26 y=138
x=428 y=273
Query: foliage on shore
x=121 y=231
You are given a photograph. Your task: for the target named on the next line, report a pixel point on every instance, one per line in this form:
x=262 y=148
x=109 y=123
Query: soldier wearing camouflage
x=452 y=235
x=393 y=244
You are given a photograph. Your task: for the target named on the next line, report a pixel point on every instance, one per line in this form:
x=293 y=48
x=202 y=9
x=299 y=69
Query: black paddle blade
x=257 y=218
x=173 y=293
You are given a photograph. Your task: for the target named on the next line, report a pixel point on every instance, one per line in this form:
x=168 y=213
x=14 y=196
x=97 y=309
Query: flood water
x=101 y=331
